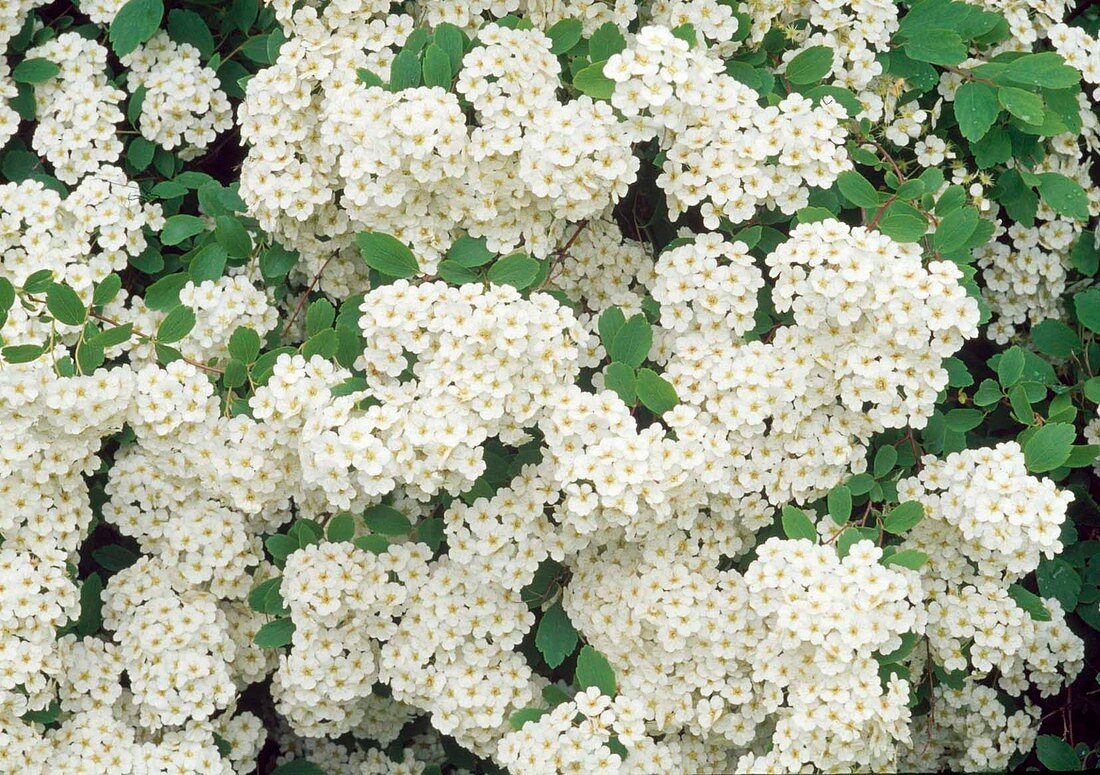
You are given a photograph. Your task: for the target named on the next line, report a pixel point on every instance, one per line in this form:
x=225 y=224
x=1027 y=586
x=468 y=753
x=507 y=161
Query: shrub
x=676 y=386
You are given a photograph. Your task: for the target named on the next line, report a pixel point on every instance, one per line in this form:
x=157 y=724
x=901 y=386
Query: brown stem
x=305 y=295
x=141 y=335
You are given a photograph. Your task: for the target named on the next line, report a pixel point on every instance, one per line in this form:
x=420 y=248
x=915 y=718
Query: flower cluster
x=724 y=152
x=181 y=102
x=78 y=109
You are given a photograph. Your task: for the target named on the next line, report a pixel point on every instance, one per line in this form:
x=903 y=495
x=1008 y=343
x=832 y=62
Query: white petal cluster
x=487 y=362
x=343 y=604
x=988 y=523
x=881 y=323
x=577 y=736
x=780 y=648
x=723 y=151
x=82 y=237
x=453 y=655
x=855 y=30
x=324 y=164
x=77 y=109
x=9 y=119
x=485 y=416
x=1080 y=50
x=220 y=306
x=183 y=103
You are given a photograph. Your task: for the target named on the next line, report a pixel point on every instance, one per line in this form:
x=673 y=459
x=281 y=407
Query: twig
x=141 y=335
x=305 y=295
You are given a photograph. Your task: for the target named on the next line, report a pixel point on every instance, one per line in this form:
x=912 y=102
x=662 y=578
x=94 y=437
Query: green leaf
x=375 y=544
x=963 y=420
x=796 y=524
x=939 y=47
x=1082 y=455
x=605 y=41
x=1085 y=255
x=633 y=341
x=470 y=252
x=908 y=558
x=1086 y=305
x=1019 y=200
x=593 y=82
x=405 y=71
x=274 y=634
x=1046 y=69
x=34 y=70
x=885 y=459
x=189 y=27
x=430 y=531
x=518 y=270
x=593 y=669
x=521 y=717
x=1064 y=195
x=7 y=294
x=564 y=35
x=114 y=558
x=857 y=189
x=299 y=767
x=1092 y=389
x=1010 y=367
x=112 y=336
x=1049 y=447
x=91 y=606
x=1056 y=754
x=957 y=373
x=180 y=227
x=1058 y=579
x=65 y=305
x=266 y=598
x=236 y=374
x=89 y=357
x=323 y=343
x=610 y=322
x=993 y=149
x=620 y=378
x=556 y=637
x=452 y=40
x=655 y=392
x=903 y=517
x=276 y=262
x=136 y=22
x=319 y=316
x=908 y=642
x=456 y=273
x=810 y=65
x=1029 y=602
x=368 y=77
x=903 y=222
x=437 y=67
x=22 y=353
x=387 y=254
x=1055 y=338
x=231 y=234
x=176 y=325
x=386 y=520
x=1022 y=104
x=839 y=503
x=45 y=717
x=340 y=528
x=38 y=282
x=955 y=229
x=208 y=264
